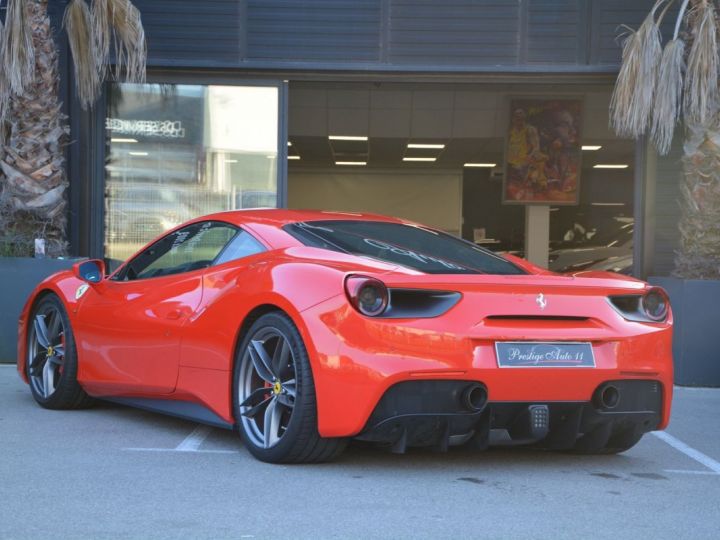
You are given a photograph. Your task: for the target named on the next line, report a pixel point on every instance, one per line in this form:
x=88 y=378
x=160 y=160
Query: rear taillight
x=368 y=295
x=655 y=304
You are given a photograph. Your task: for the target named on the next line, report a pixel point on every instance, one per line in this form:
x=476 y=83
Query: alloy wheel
x=46 y=351
x=267 y=387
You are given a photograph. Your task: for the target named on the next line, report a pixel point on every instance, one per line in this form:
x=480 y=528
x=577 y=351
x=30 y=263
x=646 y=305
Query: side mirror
x=92 y=271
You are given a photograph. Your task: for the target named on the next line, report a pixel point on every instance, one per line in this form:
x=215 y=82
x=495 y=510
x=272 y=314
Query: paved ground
x=114 y=472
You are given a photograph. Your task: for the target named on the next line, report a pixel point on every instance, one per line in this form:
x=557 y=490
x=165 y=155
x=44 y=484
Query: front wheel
x=274 y=395
x=52 y=358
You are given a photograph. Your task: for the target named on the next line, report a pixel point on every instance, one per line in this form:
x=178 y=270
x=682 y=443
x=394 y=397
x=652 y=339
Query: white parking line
x=689 y=451
x=193 y=441
x=678 y=471
x=184 y=451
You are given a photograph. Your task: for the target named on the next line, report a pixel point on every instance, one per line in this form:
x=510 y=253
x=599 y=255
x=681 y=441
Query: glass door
x=179 y=151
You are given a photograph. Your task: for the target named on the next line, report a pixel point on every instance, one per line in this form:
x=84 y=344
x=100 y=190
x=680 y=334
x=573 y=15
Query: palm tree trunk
x=699 y=253
x=32 y=194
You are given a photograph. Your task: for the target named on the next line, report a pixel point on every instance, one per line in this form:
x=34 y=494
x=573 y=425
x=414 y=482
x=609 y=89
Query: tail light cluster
x=368 y=295
x=372 y=298
x=653 y=306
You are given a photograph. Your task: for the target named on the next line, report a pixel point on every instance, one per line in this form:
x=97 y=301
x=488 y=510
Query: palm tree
x=33 y=130
x=655 y=90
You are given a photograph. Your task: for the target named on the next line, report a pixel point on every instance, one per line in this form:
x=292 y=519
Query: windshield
x=428 y=251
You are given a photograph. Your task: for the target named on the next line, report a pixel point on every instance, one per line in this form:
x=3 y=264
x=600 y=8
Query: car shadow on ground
x=364 y=456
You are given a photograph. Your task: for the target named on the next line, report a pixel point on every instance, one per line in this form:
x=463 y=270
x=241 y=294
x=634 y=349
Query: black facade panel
x=667 y=209
x=474 y=32
x=210 y=32
x=388 y=35
x=556 y=32
x=314 y=30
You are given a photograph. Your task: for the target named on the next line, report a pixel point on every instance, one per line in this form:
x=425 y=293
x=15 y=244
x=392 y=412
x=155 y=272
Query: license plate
x=524 y=354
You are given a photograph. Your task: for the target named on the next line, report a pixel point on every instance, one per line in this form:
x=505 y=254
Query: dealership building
x=401 y=107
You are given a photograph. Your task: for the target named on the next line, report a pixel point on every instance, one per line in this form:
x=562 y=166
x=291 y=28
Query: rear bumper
x=356 y=360
x=433 y=413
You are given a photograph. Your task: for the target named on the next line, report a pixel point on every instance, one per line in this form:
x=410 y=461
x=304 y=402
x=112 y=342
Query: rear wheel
x=52 y=358
x=274 y=395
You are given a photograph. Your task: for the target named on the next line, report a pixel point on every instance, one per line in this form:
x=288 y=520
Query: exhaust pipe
x=608 y=397
x=474 y=397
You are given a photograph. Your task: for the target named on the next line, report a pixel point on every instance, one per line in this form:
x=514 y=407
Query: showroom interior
x=434 y=153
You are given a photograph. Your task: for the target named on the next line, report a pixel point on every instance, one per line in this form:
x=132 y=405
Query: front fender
x=65 y=286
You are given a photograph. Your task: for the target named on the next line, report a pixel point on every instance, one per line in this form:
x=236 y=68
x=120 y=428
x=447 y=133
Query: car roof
x=280 y=216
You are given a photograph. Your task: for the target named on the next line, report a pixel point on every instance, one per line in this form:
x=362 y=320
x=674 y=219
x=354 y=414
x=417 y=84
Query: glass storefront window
x=176 y=152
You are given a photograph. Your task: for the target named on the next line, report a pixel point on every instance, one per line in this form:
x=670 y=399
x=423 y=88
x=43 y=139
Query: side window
x=190 y=248
x=243 y=245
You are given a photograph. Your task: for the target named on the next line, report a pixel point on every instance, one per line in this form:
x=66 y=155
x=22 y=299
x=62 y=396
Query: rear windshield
x=428 y=251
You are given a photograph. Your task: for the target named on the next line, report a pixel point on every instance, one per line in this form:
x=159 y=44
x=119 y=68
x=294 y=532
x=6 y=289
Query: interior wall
x=433 y=198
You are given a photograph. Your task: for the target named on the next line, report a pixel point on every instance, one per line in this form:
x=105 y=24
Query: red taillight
x=655 y=304
x=368 y=295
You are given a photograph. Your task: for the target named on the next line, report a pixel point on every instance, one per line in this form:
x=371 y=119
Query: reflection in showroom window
x=176 y=152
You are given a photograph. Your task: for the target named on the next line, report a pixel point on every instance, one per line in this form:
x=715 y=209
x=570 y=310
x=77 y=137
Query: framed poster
x=542 y=152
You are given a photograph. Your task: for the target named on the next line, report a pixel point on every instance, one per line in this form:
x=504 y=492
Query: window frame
x=122 y=273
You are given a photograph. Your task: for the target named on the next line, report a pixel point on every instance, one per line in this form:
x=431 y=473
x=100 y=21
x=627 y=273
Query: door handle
x=174 y=315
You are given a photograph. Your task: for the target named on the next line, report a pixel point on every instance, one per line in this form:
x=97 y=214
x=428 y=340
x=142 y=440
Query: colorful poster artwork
x=542 y=158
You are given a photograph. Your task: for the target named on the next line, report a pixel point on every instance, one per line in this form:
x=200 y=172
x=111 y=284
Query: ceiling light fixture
x=591 y=147
x=355 y=163
x=346 y=138
x=138 y=153
x=293 y=157
x=419 y=159
x=120 y=140
x=235 y=160
x=289 y=143
x=610 y=166
x=488 y=165
x=423 y=145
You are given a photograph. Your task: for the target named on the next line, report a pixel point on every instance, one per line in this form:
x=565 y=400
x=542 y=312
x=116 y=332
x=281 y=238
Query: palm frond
x=701 y=78
x=130 y=44
x=668 y=95
x=632 y=99
x=77 y=22
x=119 y=22
x=102 y=33
x=18 y=54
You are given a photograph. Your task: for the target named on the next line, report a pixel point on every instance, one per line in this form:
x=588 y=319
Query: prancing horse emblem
x=82 y=289
x=541 y=301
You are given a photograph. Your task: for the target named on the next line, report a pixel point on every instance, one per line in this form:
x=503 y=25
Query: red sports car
x=305 y=329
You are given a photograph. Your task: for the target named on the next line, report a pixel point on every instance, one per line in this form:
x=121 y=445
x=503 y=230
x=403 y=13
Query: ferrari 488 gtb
x=306 y=329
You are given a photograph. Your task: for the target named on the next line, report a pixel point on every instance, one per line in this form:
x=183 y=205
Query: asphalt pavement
x=116 y=472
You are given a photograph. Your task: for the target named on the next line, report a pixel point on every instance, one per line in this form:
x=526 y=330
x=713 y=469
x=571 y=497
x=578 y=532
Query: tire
x=608 y=439
x=52 y=357
x=273 y=384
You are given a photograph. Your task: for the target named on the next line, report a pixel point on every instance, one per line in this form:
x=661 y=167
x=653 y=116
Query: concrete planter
x=696 y=334
x=18 y=277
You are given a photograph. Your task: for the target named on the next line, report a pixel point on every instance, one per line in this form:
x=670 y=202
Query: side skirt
x=186 y=410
